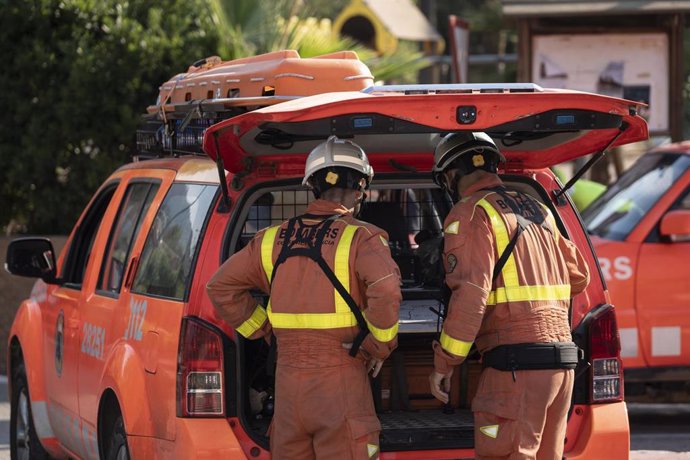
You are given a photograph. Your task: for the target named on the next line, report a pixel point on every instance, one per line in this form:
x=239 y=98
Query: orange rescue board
x=281 y=73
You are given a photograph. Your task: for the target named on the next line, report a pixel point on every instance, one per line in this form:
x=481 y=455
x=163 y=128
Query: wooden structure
x=621 y=32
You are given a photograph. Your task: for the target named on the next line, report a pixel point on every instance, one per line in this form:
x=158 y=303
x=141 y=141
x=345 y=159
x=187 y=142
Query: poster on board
x=629 y=66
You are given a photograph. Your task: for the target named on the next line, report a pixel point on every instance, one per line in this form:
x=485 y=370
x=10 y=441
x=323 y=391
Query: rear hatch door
x=399 y=126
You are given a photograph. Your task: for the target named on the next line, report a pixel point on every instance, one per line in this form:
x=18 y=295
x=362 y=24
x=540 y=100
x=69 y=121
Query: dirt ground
x=14 y=289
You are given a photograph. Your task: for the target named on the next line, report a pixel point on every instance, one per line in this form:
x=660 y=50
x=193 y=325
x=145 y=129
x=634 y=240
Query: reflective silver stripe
x=39 y=411
x=296 y=75
x=359 y=77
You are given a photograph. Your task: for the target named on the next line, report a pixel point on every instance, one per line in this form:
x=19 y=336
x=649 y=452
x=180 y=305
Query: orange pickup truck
x=118 y=352
x=640 y=228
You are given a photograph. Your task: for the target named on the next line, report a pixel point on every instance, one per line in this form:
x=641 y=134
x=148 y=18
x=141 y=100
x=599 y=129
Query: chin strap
x=362 y=203
x=453 y=192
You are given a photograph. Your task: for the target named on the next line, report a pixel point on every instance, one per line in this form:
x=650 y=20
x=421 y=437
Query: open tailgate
x=399 y=126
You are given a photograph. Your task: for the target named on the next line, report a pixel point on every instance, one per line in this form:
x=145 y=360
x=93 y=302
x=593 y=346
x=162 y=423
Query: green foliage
x=272 y=25
x=248 y=27
x=325 y=8
x=79 y=74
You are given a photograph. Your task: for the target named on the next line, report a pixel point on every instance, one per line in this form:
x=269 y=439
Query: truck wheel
x=117 y=449
x=24 y=442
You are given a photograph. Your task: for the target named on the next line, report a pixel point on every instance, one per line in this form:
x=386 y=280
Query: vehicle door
x=105 y=309
x=662 y=292
x=62 y=316
x=159 y=290
x=624 y=224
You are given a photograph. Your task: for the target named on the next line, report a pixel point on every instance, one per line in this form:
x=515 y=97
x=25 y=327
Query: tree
x=80 y=73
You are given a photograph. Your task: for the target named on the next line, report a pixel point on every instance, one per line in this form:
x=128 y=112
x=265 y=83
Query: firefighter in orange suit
x=511 y=275
x=333 y=286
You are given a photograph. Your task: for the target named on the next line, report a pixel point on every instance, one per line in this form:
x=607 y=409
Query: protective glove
x=437 y=381
x=373 y=364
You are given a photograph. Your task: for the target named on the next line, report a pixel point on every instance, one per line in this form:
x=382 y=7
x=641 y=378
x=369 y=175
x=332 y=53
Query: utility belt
x=532 y=356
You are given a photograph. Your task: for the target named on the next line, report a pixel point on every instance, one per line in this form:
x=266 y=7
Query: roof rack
x=460 y=88
x=176 y=137
x=215 y=106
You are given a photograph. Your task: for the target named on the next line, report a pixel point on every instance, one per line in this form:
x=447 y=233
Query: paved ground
x=658 y=431
x=4 y=420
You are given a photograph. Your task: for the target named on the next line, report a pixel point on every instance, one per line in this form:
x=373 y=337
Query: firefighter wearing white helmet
x=510 y=296
x=337 y=163
x=334 y=291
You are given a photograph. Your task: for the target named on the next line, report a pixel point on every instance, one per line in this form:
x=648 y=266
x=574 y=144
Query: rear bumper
x=598 y=431
x=594 y=431
x=194 y=438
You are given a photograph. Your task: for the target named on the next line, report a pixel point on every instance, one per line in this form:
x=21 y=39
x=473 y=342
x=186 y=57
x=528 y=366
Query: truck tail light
x=199 y=371
x=606 y=371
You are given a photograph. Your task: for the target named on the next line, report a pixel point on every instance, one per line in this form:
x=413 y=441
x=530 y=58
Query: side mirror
x=31 y=257
x=675 y=225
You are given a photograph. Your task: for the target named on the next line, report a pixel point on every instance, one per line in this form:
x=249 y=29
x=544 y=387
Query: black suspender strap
x=523 y=222
x=361 y=322
x=506 y=253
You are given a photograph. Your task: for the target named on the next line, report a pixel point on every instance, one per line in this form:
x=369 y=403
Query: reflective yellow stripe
x=454 y=346
x=343 y=316
x=524 y=293
x=453 y=228
x=554 y=227
x=490 y=430
x=509 y=272
x=341 y=267
x=383 y=335
x=311 y=320
x=267 y=244
x=254 y=322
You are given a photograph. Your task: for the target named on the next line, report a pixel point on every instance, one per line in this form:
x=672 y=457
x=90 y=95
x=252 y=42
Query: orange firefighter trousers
x=521 y=418
x=324 y=407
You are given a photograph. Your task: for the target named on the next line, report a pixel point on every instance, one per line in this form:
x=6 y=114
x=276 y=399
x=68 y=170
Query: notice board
x=627 y=65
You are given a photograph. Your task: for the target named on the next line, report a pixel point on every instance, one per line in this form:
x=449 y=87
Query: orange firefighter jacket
x=529 y=301
x=302 y=297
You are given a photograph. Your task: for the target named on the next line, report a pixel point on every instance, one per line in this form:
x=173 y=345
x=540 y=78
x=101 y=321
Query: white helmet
x=329 y=157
